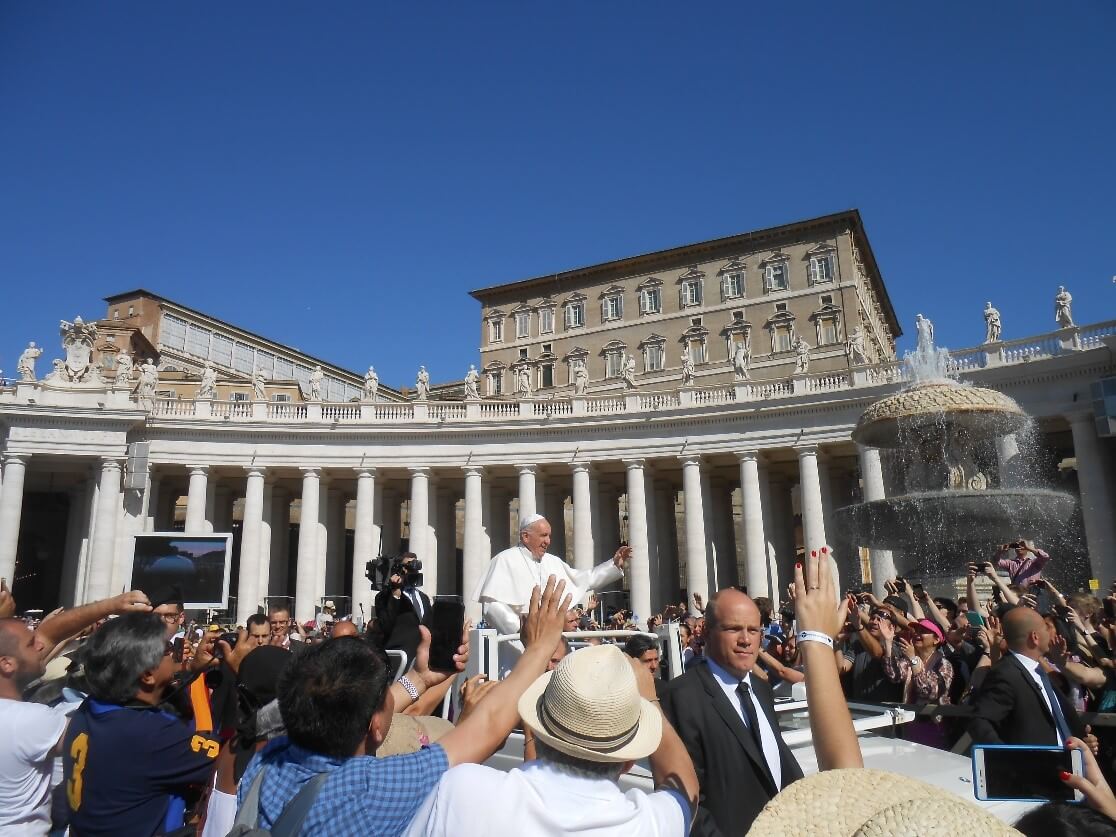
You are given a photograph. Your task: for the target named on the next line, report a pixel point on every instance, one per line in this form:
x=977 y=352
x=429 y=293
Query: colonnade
x=744 y=517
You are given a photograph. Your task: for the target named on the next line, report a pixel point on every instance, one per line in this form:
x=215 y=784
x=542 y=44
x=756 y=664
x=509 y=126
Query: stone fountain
x=949 y=496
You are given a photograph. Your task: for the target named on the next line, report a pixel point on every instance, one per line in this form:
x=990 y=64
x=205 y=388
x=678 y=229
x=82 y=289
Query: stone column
x=881 y=560
x=419 y=518
x=527 y=502
x=1096 y=497
x=720 y=512
x=278 y=583
x=639 y=568
x=264 y=580
x=697 y=570
x=210 y=505
x=751 y=525
x=825 y=484
x=76 y=524
x=813 y=508
x=583 y=550
x=475 y=560
x=11 y=509
x=366 y=539
x=306 y=571
x=89 y=518
x=195 y=500
x=154 y=504
x=104 y=537
x=554 y=510
x=392 y=512
x=321 y=559
x=248 y=588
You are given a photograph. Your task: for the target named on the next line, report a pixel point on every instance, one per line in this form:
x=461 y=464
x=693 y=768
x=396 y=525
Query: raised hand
x=907 y=648
x=7 y=603
x=546 y=616
x=1098 y=795
x=815 y=605
x=622 y=556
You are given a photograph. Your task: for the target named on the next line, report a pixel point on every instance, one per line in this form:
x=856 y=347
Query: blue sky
x=338 y=176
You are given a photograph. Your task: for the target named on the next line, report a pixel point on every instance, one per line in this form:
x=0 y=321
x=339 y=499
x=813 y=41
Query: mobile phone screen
x=1109 y=608
x=1024 y=773
x=975 y=619
x=447 y=616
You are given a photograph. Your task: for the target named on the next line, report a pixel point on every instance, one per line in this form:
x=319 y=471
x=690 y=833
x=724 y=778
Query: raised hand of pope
x=623 y=554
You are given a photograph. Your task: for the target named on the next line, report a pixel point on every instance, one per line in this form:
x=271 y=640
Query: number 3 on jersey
x=78 y=752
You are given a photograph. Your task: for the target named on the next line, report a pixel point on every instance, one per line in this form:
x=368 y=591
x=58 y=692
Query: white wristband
x=815 y=636
x=410 y=687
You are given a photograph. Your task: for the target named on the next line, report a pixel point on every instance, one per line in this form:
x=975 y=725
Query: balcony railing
x=962 y=362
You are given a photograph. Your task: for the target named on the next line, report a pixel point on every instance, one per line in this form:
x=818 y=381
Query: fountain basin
x=919 y=411
x=928 y=520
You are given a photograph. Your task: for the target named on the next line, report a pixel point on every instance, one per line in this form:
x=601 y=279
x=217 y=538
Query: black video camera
x=380 y=571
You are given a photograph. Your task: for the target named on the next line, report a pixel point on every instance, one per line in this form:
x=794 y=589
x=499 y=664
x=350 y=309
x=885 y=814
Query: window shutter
x=682 y=295
x=604 y=310
x=697 y=291
x=620 y=306
x=566 y=315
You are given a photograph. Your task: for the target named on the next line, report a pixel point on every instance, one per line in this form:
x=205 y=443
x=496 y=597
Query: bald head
x=733 y=631
x=1025 y=632
x=341 y=629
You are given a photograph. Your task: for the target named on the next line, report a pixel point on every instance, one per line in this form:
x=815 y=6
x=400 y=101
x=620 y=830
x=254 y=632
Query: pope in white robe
x=505 y=590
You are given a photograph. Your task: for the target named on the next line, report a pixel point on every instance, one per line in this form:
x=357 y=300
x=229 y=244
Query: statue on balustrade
x=124 y=370
x=78 y=338
x=580 y=376
x=688 y=373
x=371 y=384
x=316 y=378
x=801 y=356
x=208 y=386
x=472 y=379
x=259 y=386
x=992 y=325
x=148 y=379
x=523 y=381
x=1062 y=313
x=26 y=363
x=854 y=348
x=628 y=371
x=422 y=384
x=742 y=359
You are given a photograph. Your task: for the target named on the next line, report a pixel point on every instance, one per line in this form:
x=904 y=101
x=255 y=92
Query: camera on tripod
x=380 y=571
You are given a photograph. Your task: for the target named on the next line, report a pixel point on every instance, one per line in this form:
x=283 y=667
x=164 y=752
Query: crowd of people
x=120 y=718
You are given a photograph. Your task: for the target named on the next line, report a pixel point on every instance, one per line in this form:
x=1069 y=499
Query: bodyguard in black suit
x=737 y=750
x=400 y=609
x=1017 y=703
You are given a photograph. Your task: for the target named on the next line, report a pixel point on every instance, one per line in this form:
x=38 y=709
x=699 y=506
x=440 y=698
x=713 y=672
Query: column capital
x=255 y=471
x=419 y=470
x=365 y=472
x=690 y=459
x=633 y=464
x=17 y=458
x=197 y=470
x=474 y=470
x=526 y=469
x=806 y=450
x=112 y=464
x=581 y=467
x=748 y=455
x=1080 y=417
x=311 y=471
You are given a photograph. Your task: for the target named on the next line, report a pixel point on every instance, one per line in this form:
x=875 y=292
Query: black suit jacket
x=730 y=767
x=399 y=622
x=1009 y=709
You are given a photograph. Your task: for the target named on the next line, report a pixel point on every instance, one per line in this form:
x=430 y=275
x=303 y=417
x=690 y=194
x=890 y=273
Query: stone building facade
x=814 y=280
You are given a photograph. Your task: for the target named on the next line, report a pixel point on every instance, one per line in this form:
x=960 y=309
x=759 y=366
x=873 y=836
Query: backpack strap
x=294 y=813
x=248 y=815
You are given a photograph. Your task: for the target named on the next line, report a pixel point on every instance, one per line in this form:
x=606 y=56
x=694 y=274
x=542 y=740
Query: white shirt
x=729 y=682
x=1032 y=667
x=472 y=800
x=416 y=601
x=29 y=733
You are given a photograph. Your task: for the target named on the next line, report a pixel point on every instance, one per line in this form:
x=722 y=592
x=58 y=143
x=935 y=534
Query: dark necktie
x=745 y=694
x=1055 y=706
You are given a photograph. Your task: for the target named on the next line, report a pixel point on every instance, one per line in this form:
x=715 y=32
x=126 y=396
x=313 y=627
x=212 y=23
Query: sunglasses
x=882 y=614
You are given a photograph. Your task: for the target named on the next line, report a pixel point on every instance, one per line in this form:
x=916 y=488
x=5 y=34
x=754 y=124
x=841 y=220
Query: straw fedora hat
x=410 y=733
x=861 y=802
x=589 y=707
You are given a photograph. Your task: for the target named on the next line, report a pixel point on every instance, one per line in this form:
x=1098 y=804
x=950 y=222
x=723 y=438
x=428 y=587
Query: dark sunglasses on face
x=881 y=614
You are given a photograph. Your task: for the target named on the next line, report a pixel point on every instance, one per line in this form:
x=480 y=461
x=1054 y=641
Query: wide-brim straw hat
x=860 y=802
x=410 y=733
x=589 y=707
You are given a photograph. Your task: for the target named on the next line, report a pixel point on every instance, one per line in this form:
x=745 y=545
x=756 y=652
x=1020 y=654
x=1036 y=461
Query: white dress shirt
x=1032 y=667
x=729 y=683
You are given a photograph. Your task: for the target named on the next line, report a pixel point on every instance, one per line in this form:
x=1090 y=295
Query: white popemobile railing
x=963 y=361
